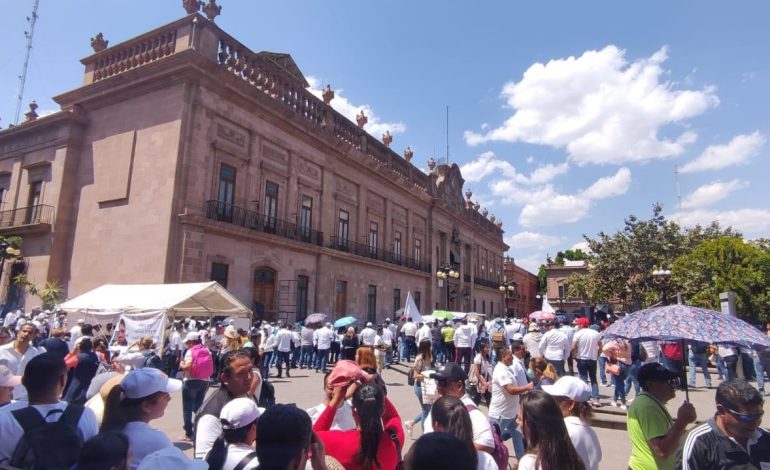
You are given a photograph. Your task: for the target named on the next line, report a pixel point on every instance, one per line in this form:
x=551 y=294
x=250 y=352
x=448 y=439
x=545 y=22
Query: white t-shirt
x=175 y=342
x=485 y=461
x=586 y=342
x=343 y=418
x=528 y=462
x=283 y=340
x=409 y=329
x=143 y=440
x=586 y=442
x=325 y=338
x=367 y=336
x=423 y=334
x=465 y=336
x=485 y=368
x=17 y=362
x=208 y=430
x=482 y=432
x=11 y=430
x=236 y=453
x=378 y=344
x=554 y=345
x=503 y=404
x=653 y=351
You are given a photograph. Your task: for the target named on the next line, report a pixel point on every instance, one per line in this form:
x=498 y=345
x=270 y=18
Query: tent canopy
x=194 y=299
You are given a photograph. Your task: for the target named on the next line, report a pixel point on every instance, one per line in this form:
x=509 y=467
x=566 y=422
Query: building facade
x=557 y=276
x=523 y=300
x=187 y=157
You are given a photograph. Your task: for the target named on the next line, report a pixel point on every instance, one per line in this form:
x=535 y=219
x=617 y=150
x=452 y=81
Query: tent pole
x=683 y=378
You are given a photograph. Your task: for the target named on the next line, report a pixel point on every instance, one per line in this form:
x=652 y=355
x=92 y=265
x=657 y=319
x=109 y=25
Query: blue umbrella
x=345 y=321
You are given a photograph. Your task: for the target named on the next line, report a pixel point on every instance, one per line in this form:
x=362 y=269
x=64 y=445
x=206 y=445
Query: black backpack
x=44 y=445
x=152 y=360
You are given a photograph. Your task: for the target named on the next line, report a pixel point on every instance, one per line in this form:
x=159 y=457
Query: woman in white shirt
x=572 y=395
x=450 y=415
x=481 y=375
x=235 y=448
x=142 y=396
x=548 y=444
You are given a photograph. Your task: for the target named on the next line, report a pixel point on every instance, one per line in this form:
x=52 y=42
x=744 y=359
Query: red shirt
x=344 y=445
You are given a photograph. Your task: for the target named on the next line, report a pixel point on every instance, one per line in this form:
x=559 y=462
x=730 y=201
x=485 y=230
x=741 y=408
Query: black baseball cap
x=450 y=371
x=655 y=372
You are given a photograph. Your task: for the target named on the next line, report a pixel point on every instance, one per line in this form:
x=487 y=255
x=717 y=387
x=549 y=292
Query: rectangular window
x=343 y=229
x=302 y=285
x=417 y=298
x=33 y=202
x=396 y=299
x=340 y=298
x=373 y=238
x=484 y=307
x=474 y=305
x=371 y=304
x=219 y=273
x=397 y=245
x=271 y=206
x=561 y=292
x=306 y=217
x=226 y=192
x=417 y=250
x=491 y=308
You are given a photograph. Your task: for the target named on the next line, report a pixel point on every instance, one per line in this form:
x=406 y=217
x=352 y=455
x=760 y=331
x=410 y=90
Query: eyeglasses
x=744 y=417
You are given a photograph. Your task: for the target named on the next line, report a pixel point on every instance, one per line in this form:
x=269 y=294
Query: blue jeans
x=282 y=357
x=267 y=356
x=306 y=356
x=424 y=408
x=508 y=430
x=620 y=382
x=193 y=393
x=587 y=372
x=731 y=367
x=602 y=372
x=632 y=379
x=321 y=359
x=761 y=367
x=698 y=360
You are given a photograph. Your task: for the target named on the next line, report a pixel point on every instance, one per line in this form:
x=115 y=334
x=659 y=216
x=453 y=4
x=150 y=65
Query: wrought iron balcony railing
x=253 y=220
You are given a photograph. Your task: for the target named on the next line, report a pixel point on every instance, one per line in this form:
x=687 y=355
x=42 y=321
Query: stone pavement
x=304 y=389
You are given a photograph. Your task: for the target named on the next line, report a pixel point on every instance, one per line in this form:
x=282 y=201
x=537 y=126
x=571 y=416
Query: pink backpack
x=500 y=453
x=202 y=364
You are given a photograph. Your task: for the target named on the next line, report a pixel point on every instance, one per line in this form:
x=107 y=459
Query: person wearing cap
x=654 y=435
x=409 y=333
x=367 y=335
x=387 y=339
x=76 y=332
x=171 y=457
x=555 y=347
x=509 y=380
x=235 y=448
x=586 y=344
x=7 y=382
x=572 y=395
x=16 y=355
x=142 y=396
x=44 y=378
x=532 y=340
x=732 y=438
x=450 y=381
x=193 y=388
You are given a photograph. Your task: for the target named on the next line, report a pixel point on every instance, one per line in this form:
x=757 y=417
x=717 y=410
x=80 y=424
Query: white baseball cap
x=570 y=387
x=239 y=413
x=192 y=336
x=7 y=379
x=368 y=324
x=140 y=383
x=171 y=457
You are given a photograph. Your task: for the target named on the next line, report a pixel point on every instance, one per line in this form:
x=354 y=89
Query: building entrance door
x=264 y=294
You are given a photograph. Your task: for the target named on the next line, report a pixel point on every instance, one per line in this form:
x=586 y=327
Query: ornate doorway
x=264 y=294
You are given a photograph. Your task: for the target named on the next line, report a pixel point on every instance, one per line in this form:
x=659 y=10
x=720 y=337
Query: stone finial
x=31 y=114
x=431 y=164
x=468 y=194
x=212 y=10
x=408 y=154
x=492 y=218
x=328 y=94
x=499 y=223
x=387 y=139
x=476 y=205
x=192 y=6
x=98 y=43
x=361 y=119
x=484 y=212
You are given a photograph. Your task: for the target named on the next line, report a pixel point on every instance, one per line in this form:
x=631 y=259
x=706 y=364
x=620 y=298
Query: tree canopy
x=571 y=255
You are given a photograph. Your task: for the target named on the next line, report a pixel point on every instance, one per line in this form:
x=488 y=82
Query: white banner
x=138 y=325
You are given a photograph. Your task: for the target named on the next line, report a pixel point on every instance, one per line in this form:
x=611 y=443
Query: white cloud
x=600 y=107
x=583 y=246
x=752 y=222
x=738 y=151
x=610 y=186
x=530 y=160
x=532 y=240
x=713 y=192
x=545 y=173
x=560 y=209
x=531 y=263
x=485 y=165
x=342 y=105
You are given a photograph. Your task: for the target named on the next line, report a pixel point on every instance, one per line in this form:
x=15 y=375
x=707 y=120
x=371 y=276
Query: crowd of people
x=68 y=399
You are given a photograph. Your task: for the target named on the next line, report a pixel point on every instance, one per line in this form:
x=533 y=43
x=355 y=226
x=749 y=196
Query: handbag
x=429 y=391
x=410 y=376
x=613 y=369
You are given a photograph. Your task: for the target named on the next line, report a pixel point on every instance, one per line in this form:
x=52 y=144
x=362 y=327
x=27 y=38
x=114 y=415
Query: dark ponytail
x=218 y=454
x=119 y=410
x=369 y=403
x=454 y=418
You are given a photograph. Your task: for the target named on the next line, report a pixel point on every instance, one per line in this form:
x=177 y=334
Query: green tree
x=49 y=294
x=726 y=264
x=585 y=287
x=571 y=255
x=542 y=276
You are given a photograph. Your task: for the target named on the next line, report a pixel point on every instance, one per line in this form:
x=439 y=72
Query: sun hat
x=344 y=373
x=171 y=457
x=192 y=336
x=230 y=332
x=140 y=383
x=7 y=379
x=570 y=387
x=533 y=327
x=239 y=412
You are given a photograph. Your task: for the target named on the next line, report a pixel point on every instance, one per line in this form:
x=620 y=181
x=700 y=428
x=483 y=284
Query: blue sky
x=564 y=116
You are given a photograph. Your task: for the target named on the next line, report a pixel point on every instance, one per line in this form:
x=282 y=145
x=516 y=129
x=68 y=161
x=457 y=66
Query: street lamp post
x=508 y=288
x=662 y=279
x=445 y=273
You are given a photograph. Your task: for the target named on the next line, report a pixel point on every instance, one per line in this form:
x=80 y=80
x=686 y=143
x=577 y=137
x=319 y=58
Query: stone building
x=185 y=156
x=523 y=300
x=557 y=275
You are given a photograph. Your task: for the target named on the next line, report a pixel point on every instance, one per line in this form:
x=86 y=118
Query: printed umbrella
x=315 y=318
x=345 y=321
x=540 y=315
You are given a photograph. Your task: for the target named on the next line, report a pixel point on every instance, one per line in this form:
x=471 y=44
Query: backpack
x=266 y=395
x=202 y=364
x=498 y=338
x=500 y=454
x=152 y=360
x=44 y=445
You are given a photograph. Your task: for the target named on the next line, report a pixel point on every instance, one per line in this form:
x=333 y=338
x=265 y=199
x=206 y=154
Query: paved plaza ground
x=305 y=390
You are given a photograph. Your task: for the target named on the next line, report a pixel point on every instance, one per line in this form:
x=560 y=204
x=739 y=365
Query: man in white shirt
x=387 y=338
x=409 y=332
x=306 y=346
x=17 y=354
x=367 y=335
x=393 y=351
x=464 y=339
x=175 y=350
x=44 y=378
x=509 y=381
x=75 y=333
x=423 y=334
x=450 y=381
x=324 y=336
x=585 y=349
x=555 y=347
x=532 y=340
x=283 y=340
x=569 y=331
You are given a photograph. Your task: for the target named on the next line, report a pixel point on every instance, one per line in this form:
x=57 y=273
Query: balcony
x=486 y=283
x=27 y=220
x=253 y=220
x=364 y=250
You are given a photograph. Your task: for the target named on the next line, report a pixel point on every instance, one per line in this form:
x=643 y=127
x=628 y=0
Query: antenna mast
x=678 y=189
x=23 y=77
x=447 y=135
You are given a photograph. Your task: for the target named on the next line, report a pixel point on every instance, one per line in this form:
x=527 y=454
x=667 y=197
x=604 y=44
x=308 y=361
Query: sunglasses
x=743 y=417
